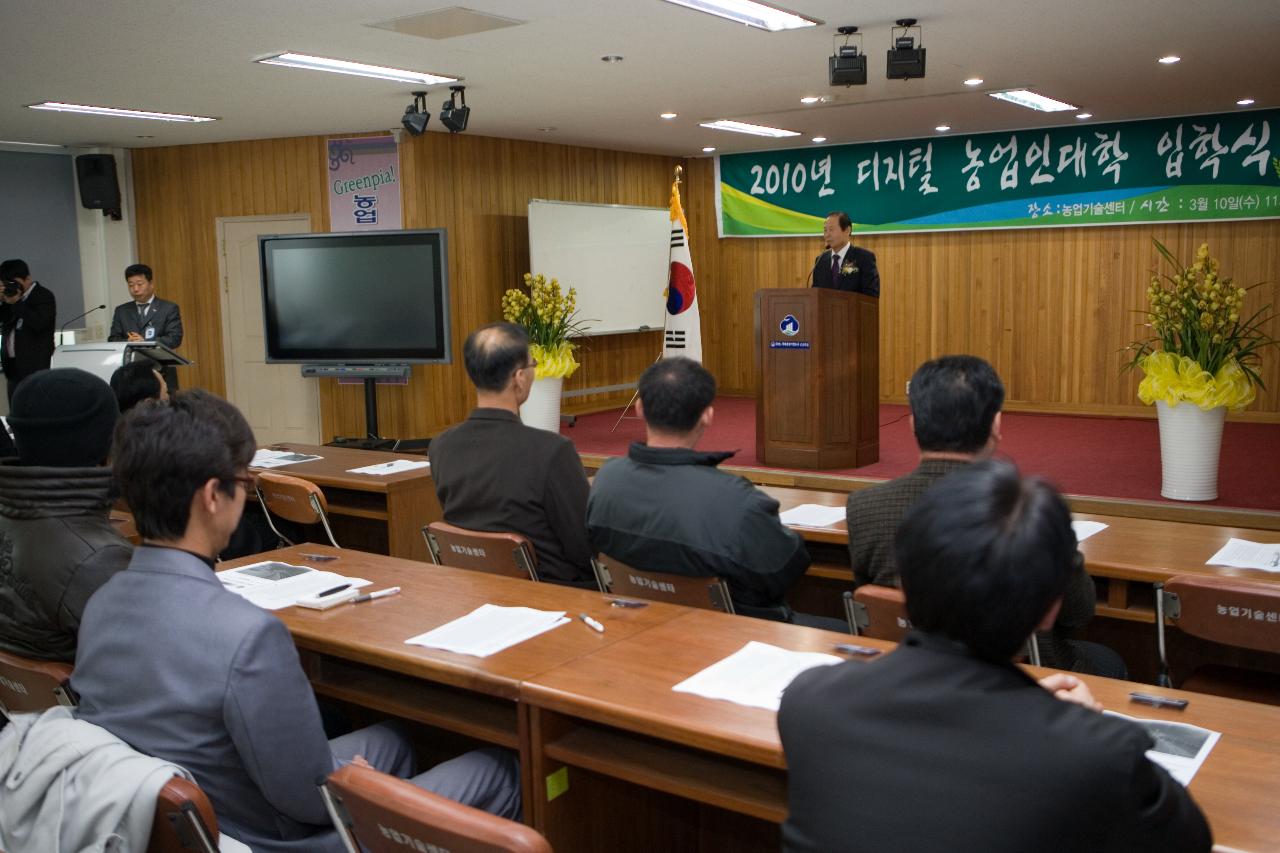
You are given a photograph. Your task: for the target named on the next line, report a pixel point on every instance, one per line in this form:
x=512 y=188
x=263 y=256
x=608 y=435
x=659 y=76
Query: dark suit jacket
x=931 y=749
x=179 y=668
x=31 y=322
x=163 y=317
x=864 y=278
x=495 y=474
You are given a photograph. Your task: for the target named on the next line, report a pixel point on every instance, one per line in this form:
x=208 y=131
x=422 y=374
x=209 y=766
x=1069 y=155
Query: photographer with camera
x=28 y=313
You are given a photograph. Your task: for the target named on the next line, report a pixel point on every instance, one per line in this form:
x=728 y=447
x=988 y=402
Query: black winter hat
x=63 y=418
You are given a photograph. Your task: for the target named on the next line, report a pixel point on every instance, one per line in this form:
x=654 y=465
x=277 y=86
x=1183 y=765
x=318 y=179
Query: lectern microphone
x=78 y=316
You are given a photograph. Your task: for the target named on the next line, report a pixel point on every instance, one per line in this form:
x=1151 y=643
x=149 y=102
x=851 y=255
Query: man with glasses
x=494 y=474
x=181 y=669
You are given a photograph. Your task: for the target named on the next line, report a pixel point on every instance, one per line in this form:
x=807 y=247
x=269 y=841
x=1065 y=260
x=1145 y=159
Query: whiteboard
x=617 y=256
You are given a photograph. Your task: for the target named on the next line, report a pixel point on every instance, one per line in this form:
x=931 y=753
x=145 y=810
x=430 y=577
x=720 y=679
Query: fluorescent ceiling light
x=708 y=149
x=1085 y=116
x=1244 y=102
x=1168 y=60
x=31 y=144
x=810 y=99
x=357 y=69
x=942 y=128
x=1031 y=100
x=753 y=129
x=819 y=139
x=667 y=116
x=749 y=13
x=113 y=111
x=973 y=81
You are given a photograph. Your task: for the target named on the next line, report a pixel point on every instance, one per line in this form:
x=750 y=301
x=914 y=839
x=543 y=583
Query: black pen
x=1158 y=701
x=339 y=588
x=860 y=651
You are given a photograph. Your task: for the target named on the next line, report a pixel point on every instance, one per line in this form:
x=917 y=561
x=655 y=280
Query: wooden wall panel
x=1050 y=308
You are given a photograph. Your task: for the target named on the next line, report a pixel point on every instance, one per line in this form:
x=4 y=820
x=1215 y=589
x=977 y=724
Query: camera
x=11 y=287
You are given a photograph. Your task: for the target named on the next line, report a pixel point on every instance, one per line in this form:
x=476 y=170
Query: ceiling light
x=750 y=13
x=667 y=116
x=1085 y=115
x=546 y=130
x=415 y=116
x=753 y=129
x=113 y=111
x=358 y=69
x=973 y=81
x=1033 y=101
x=1244 y=102
x=31 y=144
x=942 y=128
x=819 y=139
x=810 y=99
x=905 y=60
x=708 y=149
x=847 y=65
x=1169 y=60
x=454 y=116
x=611 y=58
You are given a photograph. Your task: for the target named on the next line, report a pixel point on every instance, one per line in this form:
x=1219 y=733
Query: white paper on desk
x=813 y=515
x=272 y=585
x=382 y=469
x=489 y=629
x=264 y=458
x=754 y=676
x=1085 y=529
x=1243 y=554
x=1181 y=748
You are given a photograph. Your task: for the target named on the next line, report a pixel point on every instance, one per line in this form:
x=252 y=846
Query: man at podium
x=843 y=266
x=147 y=317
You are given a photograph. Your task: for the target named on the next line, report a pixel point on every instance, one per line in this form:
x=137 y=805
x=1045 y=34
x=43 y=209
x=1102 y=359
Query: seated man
x=137 y=381
x=955 y=414
x=181 y=669
x=944 y=744
x=665 y=507
x=494 y=474
x=57 y=542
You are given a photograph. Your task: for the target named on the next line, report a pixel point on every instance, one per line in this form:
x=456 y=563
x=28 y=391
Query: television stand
x=370 y=373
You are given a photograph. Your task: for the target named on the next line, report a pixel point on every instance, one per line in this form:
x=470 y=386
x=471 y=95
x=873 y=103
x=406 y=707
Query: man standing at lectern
x=844 y=266
x=147 y=317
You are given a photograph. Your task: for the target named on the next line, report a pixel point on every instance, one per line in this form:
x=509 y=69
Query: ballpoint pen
x=382 y=593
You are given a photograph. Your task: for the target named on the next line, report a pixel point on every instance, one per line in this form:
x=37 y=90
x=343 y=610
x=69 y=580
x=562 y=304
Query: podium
x=818 y=374
x=101 y=359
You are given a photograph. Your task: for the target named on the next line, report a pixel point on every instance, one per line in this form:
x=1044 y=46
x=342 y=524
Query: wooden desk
x=612 y=716
x=375 y=513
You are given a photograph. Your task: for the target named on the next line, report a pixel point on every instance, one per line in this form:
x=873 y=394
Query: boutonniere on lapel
x=848 y=269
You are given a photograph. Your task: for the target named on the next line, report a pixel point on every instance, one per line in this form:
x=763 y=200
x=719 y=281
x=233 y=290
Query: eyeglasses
x=249 y=481
x=533 y=362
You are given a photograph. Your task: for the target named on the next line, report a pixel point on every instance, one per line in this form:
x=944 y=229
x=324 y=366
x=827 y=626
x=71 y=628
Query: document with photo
x=273 y=585
x=1180 y=747
x=265 y=458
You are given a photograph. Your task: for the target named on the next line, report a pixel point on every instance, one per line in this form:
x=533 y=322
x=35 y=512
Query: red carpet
x=1103 y=457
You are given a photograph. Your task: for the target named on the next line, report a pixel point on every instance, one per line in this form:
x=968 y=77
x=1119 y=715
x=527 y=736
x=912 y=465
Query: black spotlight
x=416 y=116
x=452 y=114
x=848 y=65
x=905 y=59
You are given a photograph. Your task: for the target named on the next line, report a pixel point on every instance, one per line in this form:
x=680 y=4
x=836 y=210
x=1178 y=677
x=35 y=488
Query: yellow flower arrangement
x=1208 y=355
x=550 y=318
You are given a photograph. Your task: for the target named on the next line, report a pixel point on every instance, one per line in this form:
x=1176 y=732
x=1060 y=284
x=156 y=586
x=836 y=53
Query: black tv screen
x=375 y=297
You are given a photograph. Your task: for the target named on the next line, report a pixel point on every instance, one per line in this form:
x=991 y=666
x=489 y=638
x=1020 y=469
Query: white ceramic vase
x=1190 y=441
x=542 y=409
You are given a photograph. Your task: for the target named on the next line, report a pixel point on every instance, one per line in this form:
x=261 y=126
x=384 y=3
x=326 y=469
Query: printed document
x=382 y=469
x=272 y=585
x=1243 y=554
x=1180 y=747
x=813 y=515
x=489 y=629
x=754 y=676
x=265 y=458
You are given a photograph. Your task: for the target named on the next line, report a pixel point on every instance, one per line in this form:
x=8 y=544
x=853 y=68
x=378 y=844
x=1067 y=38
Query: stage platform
x=1108 y=465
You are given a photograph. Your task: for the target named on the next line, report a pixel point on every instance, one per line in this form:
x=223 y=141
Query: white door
x=278 y=403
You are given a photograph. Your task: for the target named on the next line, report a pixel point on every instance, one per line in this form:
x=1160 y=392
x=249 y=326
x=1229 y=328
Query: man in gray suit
x=181 y=669
x=147 y=317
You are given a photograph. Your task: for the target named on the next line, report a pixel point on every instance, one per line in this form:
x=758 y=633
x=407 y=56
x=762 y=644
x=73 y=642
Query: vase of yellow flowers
x=1206 y=363
x=550 y=318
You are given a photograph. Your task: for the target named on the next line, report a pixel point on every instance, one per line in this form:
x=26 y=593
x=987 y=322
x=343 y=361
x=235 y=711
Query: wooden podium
x=818 y=371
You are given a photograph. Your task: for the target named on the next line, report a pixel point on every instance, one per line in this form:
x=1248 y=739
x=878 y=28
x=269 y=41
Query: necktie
x=835 y=267
x=142 y=313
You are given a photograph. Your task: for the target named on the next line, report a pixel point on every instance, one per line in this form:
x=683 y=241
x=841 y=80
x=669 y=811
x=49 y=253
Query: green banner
x=1160 y=170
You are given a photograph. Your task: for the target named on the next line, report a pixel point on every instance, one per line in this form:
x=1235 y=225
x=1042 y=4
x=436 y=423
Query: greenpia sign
x=1162 y=170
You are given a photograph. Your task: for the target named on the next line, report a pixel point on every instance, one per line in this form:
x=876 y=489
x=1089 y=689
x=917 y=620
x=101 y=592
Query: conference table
x=382 y=513
x=613 y=759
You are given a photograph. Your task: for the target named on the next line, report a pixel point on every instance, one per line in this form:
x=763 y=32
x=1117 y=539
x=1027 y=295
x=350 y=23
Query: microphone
x=78 y=316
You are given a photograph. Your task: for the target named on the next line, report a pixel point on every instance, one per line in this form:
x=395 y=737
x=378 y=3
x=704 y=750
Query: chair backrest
x=617 y=578
x=382 y=814
x=184 y=820
x=507 y=554
x=293 y=499
x=1229 y=611
x=879 y=612
x=28 y=685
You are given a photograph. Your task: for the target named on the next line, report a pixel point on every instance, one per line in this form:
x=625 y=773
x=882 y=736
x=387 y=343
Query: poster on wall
x=364 y=184
x=1187 y=169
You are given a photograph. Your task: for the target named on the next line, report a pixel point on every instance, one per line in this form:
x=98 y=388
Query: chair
x=880 y=612
x=293 y=499
x=507 y=554
x=382 y=814
x=28 y=685
x=184 y=820
x=617 y=578
x=1228 y=640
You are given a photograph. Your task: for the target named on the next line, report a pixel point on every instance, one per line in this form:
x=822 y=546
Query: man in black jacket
x=844 y=266
x=57 y=542
x=945 y=744
x=666 y=508
x=28 y=313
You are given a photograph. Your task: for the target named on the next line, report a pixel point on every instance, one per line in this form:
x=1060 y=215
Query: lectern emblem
x=789 y=326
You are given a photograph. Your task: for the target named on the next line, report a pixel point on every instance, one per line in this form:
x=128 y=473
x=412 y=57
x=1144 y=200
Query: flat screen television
x=365 y=298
